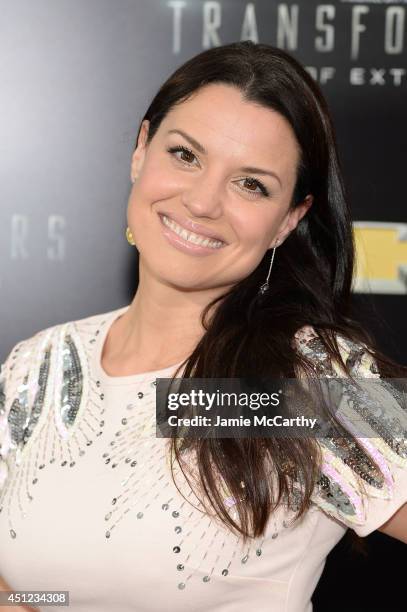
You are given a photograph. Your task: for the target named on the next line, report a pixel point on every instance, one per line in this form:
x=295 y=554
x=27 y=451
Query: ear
x=292 y=219
x=137 y=159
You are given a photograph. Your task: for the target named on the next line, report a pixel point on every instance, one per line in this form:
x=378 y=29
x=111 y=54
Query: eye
x=186 y=154
x=252 y=182
x=187 y=157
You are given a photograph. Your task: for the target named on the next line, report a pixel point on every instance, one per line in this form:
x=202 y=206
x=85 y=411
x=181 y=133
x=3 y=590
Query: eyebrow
x=201 y=149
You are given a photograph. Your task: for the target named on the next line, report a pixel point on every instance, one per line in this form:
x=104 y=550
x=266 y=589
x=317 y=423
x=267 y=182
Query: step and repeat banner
x=76 y=79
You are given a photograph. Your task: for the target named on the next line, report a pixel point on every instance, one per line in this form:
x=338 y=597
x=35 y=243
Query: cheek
x=254 y=226
x=157 y=182
x=150 y=190
x=146 y=196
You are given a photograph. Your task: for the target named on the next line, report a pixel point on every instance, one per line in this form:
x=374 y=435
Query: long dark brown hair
x=311 y=283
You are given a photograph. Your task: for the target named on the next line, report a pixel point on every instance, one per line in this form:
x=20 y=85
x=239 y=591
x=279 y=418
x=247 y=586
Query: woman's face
x=220 y=167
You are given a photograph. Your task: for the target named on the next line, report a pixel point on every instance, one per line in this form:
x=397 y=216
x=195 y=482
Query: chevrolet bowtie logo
x=381 y=257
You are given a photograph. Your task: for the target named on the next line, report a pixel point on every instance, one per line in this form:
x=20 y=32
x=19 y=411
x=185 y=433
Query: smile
x=196 y=239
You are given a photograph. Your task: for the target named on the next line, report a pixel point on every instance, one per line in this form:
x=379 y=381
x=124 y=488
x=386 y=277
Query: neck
x=162 y=325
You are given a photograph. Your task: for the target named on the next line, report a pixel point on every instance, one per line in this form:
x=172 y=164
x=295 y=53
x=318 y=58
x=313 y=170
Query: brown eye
x=251 y=183
x=254 y=186
x=186 y=154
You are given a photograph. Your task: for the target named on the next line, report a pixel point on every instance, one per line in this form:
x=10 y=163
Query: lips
x=192 y=226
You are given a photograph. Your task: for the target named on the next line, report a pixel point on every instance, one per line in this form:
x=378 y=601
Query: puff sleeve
x=360 y=493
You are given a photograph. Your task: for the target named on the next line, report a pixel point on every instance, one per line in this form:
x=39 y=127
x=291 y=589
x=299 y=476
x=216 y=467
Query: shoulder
x=363 y=477
x=36 y=371
x=355 y=355
x=23 y=349
x=23 y=352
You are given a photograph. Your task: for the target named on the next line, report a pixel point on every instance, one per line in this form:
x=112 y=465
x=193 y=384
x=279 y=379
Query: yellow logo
x=381 y=257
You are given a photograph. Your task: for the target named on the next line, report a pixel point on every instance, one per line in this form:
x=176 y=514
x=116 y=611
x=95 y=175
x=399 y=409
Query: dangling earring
x=265 y=286
x=129 y=237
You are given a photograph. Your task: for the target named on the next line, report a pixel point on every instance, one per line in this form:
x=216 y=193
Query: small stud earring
x=129 y=237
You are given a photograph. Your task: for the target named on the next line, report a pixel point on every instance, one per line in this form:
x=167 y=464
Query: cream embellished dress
x=88 y=504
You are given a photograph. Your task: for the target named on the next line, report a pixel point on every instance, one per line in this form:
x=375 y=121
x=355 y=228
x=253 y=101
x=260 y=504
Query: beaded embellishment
x=55 y=414
x=347 y=474
x=149 y=482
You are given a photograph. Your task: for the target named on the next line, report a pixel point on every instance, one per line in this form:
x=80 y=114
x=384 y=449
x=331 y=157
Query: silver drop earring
x=265 y=286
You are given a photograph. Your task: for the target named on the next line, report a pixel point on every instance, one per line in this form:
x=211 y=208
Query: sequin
x=381 y=431
x=40 y=395
x=18 y=415
x=72 y=385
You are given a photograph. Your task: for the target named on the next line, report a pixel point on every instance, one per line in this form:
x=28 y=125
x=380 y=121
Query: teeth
x=190 y=236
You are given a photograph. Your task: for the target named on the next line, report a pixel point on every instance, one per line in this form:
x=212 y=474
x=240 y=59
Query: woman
x=239 y=215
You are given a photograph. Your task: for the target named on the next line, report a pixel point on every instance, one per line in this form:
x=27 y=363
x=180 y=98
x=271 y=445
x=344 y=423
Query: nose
x=203 y=197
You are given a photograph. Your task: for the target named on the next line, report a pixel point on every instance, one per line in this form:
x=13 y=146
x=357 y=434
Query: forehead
x=218 y=116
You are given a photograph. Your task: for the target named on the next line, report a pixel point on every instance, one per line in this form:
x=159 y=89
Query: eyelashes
x=185 y=150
